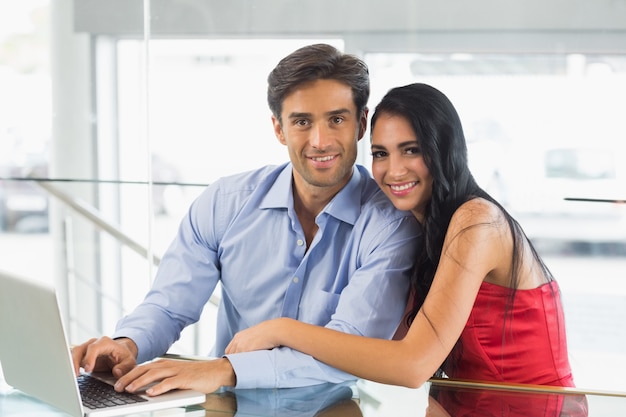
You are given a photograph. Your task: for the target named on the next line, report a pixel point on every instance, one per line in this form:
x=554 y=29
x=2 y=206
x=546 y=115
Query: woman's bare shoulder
x=477 y=211
x=479 y=237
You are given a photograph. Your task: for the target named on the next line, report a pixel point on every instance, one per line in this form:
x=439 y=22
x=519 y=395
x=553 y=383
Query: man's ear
x=278 y=130
x=363 y=122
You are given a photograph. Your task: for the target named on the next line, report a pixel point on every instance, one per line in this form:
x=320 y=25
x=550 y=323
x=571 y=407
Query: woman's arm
x=338 y=349
x=477 y=246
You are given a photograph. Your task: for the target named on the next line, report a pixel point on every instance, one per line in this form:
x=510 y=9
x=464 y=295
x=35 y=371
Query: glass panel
x=25 y=115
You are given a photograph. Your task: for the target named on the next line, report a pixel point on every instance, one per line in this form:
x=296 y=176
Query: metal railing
x=91 y=214
x=94 y=217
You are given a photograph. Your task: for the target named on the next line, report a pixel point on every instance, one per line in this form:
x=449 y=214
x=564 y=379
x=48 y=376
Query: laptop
x=36 y=358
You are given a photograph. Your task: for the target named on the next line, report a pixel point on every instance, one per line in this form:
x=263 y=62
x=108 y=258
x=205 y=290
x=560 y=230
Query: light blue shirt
x=243 y=232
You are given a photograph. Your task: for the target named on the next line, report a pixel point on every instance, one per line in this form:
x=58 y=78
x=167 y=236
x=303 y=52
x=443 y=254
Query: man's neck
x=307 y=206
x=309 y=201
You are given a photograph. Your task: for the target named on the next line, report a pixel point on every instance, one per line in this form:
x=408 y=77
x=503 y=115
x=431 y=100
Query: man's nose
x=321 y=138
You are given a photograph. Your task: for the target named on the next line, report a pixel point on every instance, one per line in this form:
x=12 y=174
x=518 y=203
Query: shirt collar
x=345 y=206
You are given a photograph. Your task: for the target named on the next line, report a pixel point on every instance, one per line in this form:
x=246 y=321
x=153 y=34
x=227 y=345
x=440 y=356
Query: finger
x=230 y=348
x=173 y=375
x=126 y=365
x=128 y=378
x=154 y=373
x=94 y=351
x=237 y=344
x=78 y=353
x=164 y=386
x=140 y=376
x=235 y=348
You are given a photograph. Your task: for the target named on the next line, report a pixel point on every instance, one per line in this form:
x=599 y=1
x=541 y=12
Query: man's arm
x=185 y=280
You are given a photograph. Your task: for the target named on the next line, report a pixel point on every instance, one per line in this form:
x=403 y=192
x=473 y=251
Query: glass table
x=367 y=399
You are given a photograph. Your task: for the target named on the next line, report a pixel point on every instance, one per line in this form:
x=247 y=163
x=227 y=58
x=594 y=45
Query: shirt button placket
x=294 y=292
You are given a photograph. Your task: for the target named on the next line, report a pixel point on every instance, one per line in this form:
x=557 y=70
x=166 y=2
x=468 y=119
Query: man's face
x=321 y=129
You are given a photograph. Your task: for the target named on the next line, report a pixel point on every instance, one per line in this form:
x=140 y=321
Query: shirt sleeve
x=371 y=305
x=185 y=280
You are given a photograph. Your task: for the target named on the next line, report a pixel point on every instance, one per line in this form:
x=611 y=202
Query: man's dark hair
x=317 y=62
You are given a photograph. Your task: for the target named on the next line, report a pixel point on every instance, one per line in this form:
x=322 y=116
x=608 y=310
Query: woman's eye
x=413 y=151
x=378 y=154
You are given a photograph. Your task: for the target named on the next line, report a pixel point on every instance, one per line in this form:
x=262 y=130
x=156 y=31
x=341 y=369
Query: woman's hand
x=265 y=335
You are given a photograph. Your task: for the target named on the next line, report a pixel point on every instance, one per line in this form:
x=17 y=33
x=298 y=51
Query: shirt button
x=300 y=242
x=296 y=279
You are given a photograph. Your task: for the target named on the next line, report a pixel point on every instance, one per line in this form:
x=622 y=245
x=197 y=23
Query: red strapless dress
x=527 y=345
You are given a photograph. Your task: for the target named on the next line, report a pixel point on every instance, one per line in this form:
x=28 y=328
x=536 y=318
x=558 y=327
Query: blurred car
x=167 y=195
x=23 y=205
x=566 y=201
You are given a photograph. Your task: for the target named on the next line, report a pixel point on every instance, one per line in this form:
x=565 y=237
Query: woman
x=486 y=307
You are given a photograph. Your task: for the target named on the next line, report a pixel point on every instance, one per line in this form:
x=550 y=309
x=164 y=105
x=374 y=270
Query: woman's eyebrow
x=400 y=145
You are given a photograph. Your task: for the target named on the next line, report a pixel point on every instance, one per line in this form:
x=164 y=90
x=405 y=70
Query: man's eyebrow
x=337 y=112
x=297 y=115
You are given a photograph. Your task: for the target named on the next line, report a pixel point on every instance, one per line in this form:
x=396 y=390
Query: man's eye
x=301 y=122
x=337 y=120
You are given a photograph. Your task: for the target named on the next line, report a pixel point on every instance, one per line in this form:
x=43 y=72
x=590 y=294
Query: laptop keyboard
x=98 y=394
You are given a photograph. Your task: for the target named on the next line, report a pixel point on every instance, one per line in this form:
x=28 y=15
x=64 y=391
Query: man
x=314 y=239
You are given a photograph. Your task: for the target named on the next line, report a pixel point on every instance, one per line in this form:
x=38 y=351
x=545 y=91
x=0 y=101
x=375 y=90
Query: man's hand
x=204 y=376
x=105 y=355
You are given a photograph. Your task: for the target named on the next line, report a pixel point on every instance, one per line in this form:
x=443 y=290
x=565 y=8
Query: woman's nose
x=396 y=166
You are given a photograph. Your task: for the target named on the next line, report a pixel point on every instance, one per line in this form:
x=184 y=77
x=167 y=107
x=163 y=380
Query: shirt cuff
x=140 y=341
x=253 y=369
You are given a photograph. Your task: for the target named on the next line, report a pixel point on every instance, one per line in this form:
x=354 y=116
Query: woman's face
x=398 y=166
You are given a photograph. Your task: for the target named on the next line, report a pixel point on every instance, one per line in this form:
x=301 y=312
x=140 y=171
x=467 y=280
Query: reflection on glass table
x=445 y=401
x=435 y=399
x=325 y=400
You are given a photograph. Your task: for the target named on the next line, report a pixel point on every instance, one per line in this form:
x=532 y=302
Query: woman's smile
x=402 y=189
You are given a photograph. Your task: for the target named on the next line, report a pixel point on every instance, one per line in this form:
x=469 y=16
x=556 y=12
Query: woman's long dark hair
x=442 y=143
